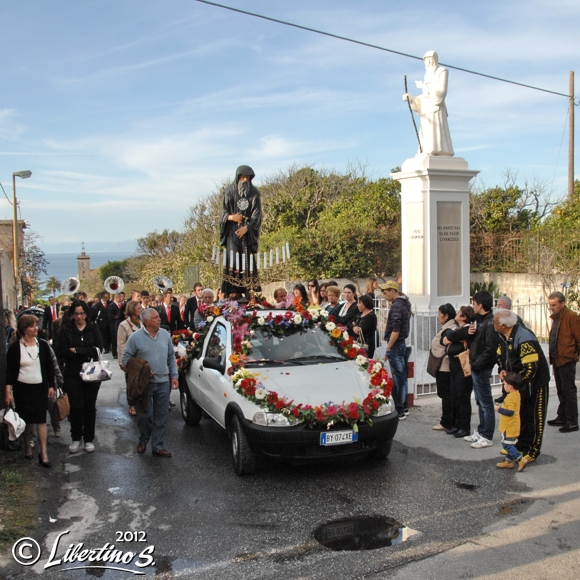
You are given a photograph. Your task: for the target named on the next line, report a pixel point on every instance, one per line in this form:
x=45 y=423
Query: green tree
x=114 y=268
x=53 y=285
x=32 y=265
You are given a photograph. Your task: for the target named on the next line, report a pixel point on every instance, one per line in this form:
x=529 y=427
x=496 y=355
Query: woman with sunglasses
x=314 y=292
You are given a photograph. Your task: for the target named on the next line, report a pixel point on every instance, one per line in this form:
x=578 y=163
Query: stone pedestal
x=435 y=230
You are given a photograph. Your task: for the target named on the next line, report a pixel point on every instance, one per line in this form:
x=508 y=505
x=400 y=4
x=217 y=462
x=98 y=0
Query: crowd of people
x=470 y=342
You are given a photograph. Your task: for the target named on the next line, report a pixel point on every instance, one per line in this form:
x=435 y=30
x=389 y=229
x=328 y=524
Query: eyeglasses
x=311 y=286
x=79 y=313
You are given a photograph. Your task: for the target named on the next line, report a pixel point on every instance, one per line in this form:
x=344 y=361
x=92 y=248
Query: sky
x=128 y=111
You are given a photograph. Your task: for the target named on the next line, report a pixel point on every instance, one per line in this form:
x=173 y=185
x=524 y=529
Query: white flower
x=330 y=326
x=210 y=318
x=360 y=360
x=297 y=319
x=315 y=315
x=377 y=367
x=323 y=314
x=345 y=335
x=261 y=393
x=261 y=321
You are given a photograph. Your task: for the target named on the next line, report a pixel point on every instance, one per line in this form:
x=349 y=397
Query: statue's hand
x=406 y=97
x=242 y=231
x=419 y=84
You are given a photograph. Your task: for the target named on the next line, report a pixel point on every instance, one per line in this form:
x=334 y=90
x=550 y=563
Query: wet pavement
x=205 y=522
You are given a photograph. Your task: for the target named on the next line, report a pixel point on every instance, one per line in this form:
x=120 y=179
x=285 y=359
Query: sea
x=64 y=266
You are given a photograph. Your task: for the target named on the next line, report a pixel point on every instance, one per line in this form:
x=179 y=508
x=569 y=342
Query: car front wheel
x=244 y=458
x=190 y=410
x=383 y=451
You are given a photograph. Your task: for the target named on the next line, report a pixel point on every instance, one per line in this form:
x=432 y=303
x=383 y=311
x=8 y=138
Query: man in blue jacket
x=397 y=330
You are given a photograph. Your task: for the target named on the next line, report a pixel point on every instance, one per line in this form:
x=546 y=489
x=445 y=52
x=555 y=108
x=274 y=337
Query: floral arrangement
x=246 y=382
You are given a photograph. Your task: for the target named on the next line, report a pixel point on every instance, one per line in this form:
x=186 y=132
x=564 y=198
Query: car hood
x=317 y=383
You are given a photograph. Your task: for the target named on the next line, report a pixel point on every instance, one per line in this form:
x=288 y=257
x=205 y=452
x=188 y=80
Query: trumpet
x=70 y=286
x=162 y=283
x=114 y=285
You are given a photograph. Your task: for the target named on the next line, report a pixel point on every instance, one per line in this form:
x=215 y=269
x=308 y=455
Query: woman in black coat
x=78 y=342
x=29 y=380
x=349 y=309
x=364 y=326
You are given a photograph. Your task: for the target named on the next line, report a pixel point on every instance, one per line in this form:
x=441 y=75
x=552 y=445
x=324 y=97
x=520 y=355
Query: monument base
x=435 y=230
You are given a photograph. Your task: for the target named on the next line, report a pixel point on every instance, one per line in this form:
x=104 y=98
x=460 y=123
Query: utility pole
x=2 y=340
x=571 y=138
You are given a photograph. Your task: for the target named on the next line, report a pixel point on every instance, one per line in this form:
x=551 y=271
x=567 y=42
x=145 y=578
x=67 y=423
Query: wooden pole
x=2 y=341
x=571 y=138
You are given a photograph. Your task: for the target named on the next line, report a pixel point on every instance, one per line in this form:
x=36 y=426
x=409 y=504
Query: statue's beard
x=243 y=188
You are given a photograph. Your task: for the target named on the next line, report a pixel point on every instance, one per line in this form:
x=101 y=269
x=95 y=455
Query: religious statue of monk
x=430 y=106
x=240 y=225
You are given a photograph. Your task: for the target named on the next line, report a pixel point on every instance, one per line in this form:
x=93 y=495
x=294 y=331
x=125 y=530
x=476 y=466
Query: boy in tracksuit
x=509 y=420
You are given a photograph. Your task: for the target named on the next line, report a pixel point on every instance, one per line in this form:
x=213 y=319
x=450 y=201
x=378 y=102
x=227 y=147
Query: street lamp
x=23 y=175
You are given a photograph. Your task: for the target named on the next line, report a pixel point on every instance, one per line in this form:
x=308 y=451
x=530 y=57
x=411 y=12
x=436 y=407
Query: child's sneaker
x=505 y=464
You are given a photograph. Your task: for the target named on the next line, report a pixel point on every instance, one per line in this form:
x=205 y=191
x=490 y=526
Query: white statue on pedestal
x=430 y=106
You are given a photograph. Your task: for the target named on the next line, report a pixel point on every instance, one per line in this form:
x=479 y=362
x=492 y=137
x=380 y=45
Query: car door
x=213 y=384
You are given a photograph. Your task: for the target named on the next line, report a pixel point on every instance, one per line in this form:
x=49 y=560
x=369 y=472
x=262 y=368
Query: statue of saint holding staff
x=240 y=225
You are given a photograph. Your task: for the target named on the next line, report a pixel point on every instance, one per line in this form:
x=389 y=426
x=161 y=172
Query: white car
x=303 y=368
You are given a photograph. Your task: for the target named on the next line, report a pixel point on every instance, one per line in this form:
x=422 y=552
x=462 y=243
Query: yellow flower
x=234 y=359
x=336 y=333
x=216 y=311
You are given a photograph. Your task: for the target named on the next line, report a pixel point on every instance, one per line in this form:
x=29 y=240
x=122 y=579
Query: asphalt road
x=205 y=522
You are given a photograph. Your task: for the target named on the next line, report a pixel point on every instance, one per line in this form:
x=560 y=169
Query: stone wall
x=8 y=281
x=522 y=287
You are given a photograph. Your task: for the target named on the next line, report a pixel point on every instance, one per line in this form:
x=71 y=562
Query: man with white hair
x=506 y=302
x=207 y=298
x=153 y=344
x=434 y=134
x=520 y=352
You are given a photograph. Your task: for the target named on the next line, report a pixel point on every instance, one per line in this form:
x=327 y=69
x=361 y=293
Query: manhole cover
x=364 y=533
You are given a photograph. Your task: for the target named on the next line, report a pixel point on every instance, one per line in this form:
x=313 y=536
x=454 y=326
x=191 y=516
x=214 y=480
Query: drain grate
x=362 y=533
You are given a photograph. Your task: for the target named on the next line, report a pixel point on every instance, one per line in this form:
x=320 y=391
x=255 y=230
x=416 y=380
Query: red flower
x=278 y=319
x=351 y=352
x=280 y=404
x=320 y=416
x=250 y=390
x=375 y=405
x=296 y=411
x=289 y=315
x=272 y=398
x=306 y=315
x=353 y=415
x=332 y=318
x=376 y=380
x=244 y=384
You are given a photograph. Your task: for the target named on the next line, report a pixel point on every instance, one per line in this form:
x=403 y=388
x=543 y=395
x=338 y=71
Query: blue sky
x=127 y=111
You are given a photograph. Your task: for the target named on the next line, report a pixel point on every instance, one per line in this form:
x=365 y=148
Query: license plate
x=338 y=437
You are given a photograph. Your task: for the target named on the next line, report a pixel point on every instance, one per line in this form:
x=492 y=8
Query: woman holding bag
x=457 y=341
x=446 y=317
x=78 y=342
x=29 y=377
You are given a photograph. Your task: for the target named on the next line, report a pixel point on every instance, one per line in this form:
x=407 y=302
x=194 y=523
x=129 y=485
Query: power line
x=5 y=194
x=345 y=38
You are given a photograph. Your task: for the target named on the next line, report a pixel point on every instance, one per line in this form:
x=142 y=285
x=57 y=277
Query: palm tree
x=52 y=285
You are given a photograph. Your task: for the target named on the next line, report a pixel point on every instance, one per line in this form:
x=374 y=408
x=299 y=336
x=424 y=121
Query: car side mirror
x=213 y=363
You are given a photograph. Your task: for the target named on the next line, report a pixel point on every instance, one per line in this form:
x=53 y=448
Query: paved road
x=466 y=518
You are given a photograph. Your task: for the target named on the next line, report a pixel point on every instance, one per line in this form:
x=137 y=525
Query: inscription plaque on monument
x=449 y=248
x=416 y=247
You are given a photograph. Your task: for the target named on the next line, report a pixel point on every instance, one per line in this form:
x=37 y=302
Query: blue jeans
x=398 y=364
x=509 y=445
x=484 y=400
x=151 y=421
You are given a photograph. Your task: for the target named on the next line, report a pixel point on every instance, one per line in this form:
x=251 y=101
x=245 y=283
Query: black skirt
x=31 y=402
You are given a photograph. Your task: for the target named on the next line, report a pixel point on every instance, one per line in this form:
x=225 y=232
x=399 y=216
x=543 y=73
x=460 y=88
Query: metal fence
x=424 y=326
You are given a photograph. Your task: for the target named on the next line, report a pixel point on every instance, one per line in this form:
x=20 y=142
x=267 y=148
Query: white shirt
x=30 y=372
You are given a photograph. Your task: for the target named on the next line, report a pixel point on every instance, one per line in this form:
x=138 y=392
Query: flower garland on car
x=247 y=384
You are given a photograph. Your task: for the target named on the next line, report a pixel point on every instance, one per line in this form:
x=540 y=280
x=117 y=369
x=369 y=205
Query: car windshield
x=311 y=346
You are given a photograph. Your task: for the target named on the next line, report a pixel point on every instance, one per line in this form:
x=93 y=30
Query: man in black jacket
x=113 y=318
x=100 y=316
x=520 y=352
x=191 y=306
x=50 y=315
x=396 y=331
x=483 y=357
x=169 y=313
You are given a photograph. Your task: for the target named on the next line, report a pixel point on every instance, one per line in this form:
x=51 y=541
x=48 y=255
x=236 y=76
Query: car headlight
x=275 y=420
x=385 y=409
